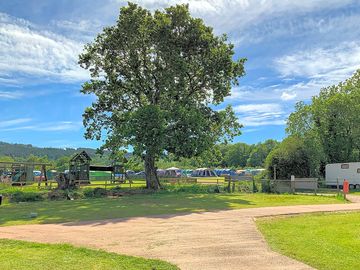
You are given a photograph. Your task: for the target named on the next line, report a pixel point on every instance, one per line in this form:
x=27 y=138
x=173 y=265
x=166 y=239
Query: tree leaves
x=154 y=76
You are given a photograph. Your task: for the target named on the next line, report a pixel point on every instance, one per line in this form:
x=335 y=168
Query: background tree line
x=237 y=155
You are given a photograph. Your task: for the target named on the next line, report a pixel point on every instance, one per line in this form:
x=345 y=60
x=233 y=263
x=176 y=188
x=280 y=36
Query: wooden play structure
x=80 y=167
x=19 y=173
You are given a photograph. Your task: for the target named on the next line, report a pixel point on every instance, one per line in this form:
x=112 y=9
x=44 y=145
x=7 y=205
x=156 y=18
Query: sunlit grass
x=21 y=255
x=324 y=241
x=145 y=205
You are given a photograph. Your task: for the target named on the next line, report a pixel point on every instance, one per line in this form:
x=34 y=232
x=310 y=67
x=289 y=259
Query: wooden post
x=45 y=175
x=292 y=184
x=315 y=187
x=337 y=186
x=228 y=178
x=39 y=181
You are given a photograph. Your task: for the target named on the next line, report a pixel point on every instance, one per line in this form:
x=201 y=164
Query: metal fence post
x=337 y=186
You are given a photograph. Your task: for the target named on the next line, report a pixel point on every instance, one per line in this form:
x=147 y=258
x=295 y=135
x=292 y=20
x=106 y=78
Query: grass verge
x=33 y=256
x=323 y=241
x=145 y=205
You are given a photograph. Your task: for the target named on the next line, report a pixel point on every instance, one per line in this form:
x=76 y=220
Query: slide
x=17 y=176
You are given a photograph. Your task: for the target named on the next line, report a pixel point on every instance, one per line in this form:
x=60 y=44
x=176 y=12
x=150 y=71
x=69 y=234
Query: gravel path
x=212 y=240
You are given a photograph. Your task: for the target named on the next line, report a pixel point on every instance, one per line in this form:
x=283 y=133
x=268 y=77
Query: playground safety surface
x=219 y=240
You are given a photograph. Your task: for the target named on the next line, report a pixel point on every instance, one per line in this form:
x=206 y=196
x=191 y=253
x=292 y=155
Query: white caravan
x=340 y=171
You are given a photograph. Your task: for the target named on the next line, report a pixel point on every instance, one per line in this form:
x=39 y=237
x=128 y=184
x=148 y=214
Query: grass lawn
x=32 y=256
x=144 y=205
x=324 y=241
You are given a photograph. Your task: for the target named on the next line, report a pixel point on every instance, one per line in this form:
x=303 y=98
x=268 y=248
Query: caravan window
x=344 y=166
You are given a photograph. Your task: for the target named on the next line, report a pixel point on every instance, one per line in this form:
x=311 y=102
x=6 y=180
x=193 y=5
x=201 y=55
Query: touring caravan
x=340 y=171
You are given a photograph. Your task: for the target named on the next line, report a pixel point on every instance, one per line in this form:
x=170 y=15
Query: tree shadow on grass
x=105 y=210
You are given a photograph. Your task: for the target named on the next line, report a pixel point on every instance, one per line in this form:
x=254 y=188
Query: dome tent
x=203 y=172
x=173 y=172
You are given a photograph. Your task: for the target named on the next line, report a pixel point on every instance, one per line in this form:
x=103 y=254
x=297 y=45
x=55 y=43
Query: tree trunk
x=152 y=181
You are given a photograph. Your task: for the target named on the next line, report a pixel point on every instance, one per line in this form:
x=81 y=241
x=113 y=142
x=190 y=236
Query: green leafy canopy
x=156 y=77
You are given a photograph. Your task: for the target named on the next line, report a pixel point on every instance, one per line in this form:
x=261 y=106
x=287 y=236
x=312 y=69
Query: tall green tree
x=155 y=77
x=329 y=124
x=259 y=153
x=290 y=157
x=235 y=155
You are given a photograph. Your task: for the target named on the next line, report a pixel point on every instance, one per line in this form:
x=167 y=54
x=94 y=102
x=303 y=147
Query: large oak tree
x=156 y=77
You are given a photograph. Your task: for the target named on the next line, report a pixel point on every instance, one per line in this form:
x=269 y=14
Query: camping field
x=324 y=241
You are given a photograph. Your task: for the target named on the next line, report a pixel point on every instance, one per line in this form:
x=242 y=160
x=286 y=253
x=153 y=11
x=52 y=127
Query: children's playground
x=82 y=173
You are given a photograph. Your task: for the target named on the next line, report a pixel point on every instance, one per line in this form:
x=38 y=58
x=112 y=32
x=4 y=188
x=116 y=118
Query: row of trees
x=325 y=131
x=17 y=150
x=238 y=155
x=60 y=164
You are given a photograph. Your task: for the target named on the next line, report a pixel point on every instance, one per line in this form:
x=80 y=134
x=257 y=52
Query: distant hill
x=24 y=150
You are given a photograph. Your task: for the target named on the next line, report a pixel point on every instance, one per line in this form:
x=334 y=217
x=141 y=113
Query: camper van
x=340 y=171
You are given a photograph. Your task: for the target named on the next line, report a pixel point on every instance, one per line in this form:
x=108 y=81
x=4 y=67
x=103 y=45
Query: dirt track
x=211 y=240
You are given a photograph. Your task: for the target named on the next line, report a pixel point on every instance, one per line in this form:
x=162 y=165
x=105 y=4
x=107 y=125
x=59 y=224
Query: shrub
x=265 y=186
x=116 y=191
x=194 y=189
x=95 y=192
x=76 y=194
x=56 y=195
x=20 y=196
x=290 y=157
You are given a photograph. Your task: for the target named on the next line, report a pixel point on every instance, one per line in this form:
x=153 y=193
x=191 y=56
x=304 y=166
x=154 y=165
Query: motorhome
x=338 y=172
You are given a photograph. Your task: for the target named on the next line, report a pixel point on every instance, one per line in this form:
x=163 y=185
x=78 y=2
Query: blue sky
x=294 y=48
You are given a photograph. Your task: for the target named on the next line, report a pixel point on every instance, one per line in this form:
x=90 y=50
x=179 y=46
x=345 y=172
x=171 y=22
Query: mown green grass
x=19 y=255
x=145 y=205
x=324 y=241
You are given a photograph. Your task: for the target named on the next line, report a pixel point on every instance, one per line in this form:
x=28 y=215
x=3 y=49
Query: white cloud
x=17 y=125
x=26 y=50
x=317 y=68
x=321 y=62
x=260 y=108
x=11 y=94
x=13 y=122
x=288 y=96
x=260 y=114
x=251 y=94
x=79 y=29
x=237 y=15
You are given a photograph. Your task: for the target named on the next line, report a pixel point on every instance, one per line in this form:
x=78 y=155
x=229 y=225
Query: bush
x=56 y=195
x=20 y=196
x=290 y=157
x=116 y=191
x=194 y=189
x=95 y=192
x=265 y=186
x=76 y=194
